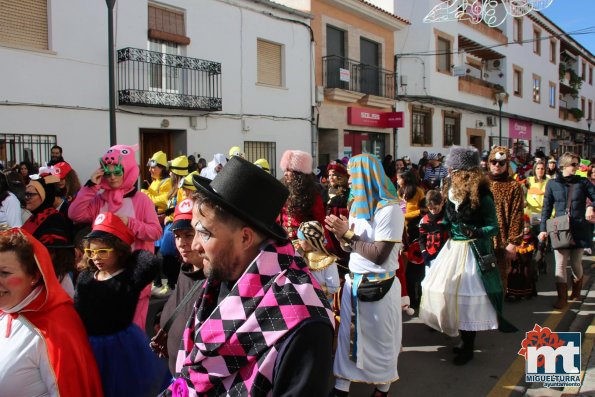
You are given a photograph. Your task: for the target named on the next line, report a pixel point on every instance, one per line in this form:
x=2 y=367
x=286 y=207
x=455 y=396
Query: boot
x=577 y=286
x=466 y=353
x=562 y=301
x=338 y=393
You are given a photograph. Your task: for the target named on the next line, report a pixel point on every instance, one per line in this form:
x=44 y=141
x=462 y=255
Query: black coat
x=556 y=196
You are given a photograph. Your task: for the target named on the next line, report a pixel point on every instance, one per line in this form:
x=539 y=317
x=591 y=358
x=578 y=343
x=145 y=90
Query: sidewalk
x=583 y=322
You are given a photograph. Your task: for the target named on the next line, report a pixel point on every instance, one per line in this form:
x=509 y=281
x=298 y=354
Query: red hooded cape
x=55 y=320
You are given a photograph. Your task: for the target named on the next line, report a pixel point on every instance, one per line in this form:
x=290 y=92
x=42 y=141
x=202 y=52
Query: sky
x=573 y=16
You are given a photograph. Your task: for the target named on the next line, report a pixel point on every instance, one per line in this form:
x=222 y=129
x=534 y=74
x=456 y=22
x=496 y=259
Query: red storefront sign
x=372 y=118
x=518 y=129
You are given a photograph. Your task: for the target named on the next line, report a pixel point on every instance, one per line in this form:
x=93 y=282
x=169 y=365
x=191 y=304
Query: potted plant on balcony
x=574 y=80
x=576 y=113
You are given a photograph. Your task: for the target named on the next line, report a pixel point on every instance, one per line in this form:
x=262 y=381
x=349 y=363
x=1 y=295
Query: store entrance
x=355 y=143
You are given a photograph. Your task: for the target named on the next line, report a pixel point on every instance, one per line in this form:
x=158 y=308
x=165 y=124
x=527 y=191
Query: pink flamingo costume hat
x=124 y=156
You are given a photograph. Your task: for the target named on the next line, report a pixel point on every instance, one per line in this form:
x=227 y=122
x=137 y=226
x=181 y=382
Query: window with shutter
x=166 y=24
x=24 y=23
x=269 y=68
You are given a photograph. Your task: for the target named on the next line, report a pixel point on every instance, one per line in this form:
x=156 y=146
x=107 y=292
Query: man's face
x=217 y=243
x=56 y=153
x=498 y=167
x=399 y=164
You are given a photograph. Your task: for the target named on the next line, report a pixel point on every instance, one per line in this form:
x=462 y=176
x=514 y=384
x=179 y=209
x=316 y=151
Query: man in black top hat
x=260 y=326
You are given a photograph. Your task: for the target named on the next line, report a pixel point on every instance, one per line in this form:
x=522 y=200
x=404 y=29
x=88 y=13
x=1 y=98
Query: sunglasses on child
x=117 y=171
x=100 y=253
x=501 y=163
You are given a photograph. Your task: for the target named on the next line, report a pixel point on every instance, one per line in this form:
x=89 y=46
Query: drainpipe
x=396 y=95
x=313 y=123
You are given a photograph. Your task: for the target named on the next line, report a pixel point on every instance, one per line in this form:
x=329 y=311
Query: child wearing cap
x=160 y=185
x=107 y=293
x=322 y=264
x=178 y=169
x=173 y=320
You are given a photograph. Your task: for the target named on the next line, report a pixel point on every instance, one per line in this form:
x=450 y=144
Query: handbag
x=373 y=291
x=558 y=228
x=487 y=262
x=159 y=342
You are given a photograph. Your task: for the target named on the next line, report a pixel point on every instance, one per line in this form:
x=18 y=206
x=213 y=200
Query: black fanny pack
x=372 y=291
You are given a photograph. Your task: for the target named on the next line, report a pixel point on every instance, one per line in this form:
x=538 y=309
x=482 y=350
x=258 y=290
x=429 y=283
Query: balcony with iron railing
x=347 y=74
x=156 y=79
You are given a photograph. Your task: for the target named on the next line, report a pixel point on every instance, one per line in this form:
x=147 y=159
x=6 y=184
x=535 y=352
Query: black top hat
x=248 y=192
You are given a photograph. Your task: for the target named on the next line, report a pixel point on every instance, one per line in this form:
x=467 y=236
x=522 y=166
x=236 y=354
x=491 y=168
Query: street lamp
x=111 y=66
x=500 y=97
x=589 y=121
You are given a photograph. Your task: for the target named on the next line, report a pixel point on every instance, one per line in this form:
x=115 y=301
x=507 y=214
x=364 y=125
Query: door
x=153 y=141
x=335 y=51
x=369 y=73
x=477 y=141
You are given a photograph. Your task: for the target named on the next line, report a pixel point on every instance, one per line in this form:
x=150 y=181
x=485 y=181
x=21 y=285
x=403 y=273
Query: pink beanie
x=296 y=160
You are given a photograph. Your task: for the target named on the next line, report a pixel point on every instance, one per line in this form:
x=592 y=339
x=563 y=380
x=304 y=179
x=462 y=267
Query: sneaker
x=163 y=291
x=155 y=289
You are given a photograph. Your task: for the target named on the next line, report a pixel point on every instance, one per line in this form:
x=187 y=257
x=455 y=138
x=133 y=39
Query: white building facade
x=452 y=78
x=191 y=78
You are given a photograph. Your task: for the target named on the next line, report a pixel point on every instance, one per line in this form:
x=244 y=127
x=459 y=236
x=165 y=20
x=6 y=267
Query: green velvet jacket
x=483 y=218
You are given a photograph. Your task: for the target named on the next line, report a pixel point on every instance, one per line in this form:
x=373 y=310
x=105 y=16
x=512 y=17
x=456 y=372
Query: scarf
x=503 y=177
x=230 y=349
x=369 y=187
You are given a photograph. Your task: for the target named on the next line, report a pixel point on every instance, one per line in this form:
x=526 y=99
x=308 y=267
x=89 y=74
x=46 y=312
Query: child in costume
x=107 y=293
x=321 y=263
x=522 y=276
x=433 y=231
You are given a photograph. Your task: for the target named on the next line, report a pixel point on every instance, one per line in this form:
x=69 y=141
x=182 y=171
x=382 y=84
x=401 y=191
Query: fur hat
x=462 y=158
x=499 y=153
x=296 y=160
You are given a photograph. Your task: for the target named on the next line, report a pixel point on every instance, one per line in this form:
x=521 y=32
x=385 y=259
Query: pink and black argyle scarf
x=233 y=351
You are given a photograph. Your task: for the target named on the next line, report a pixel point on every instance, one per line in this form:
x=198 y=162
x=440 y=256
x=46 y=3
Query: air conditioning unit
x=491 y=121
x=461 y=70
x=494 y=64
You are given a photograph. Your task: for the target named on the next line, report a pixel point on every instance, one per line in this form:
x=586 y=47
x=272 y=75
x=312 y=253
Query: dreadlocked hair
x=466 y=184
x=302 y=192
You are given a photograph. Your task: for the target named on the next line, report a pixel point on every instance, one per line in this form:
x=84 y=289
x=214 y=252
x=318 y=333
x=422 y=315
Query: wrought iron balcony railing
x=155 y=79
x=351 y=75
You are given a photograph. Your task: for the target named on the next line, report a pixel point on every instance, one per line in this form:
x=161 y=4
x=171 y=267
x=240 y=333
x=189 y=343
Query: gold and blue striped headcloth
x=370 y=187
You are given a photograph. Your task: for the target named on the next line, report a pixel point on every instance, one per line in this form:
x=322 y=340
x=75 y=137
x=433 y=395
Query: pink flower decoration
x=179 y=388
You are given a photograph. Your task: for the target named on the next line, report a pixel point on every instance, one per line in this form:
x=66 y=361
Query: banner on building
x=518 y=129
x=372 y=118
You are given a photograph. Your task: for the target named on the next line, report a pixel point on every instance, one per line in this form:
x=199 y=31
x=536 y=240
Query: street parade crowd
x=286 y=287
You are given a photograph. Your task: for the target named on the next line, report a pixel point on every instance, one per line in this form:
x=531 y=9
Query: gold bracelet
x=348 y=236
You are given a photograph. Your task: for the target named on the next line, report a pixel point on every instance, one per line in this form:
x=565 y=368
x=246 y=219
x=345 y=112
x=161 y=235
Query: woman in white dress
x=458 y=296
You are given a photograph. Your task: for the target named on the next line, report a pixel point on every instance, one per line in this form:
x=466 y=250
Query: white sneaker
x=155 y=289
x=164 y=291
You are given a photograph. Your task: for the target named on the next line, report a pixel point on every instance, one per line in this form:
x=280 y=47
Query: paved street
x=425 y=365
